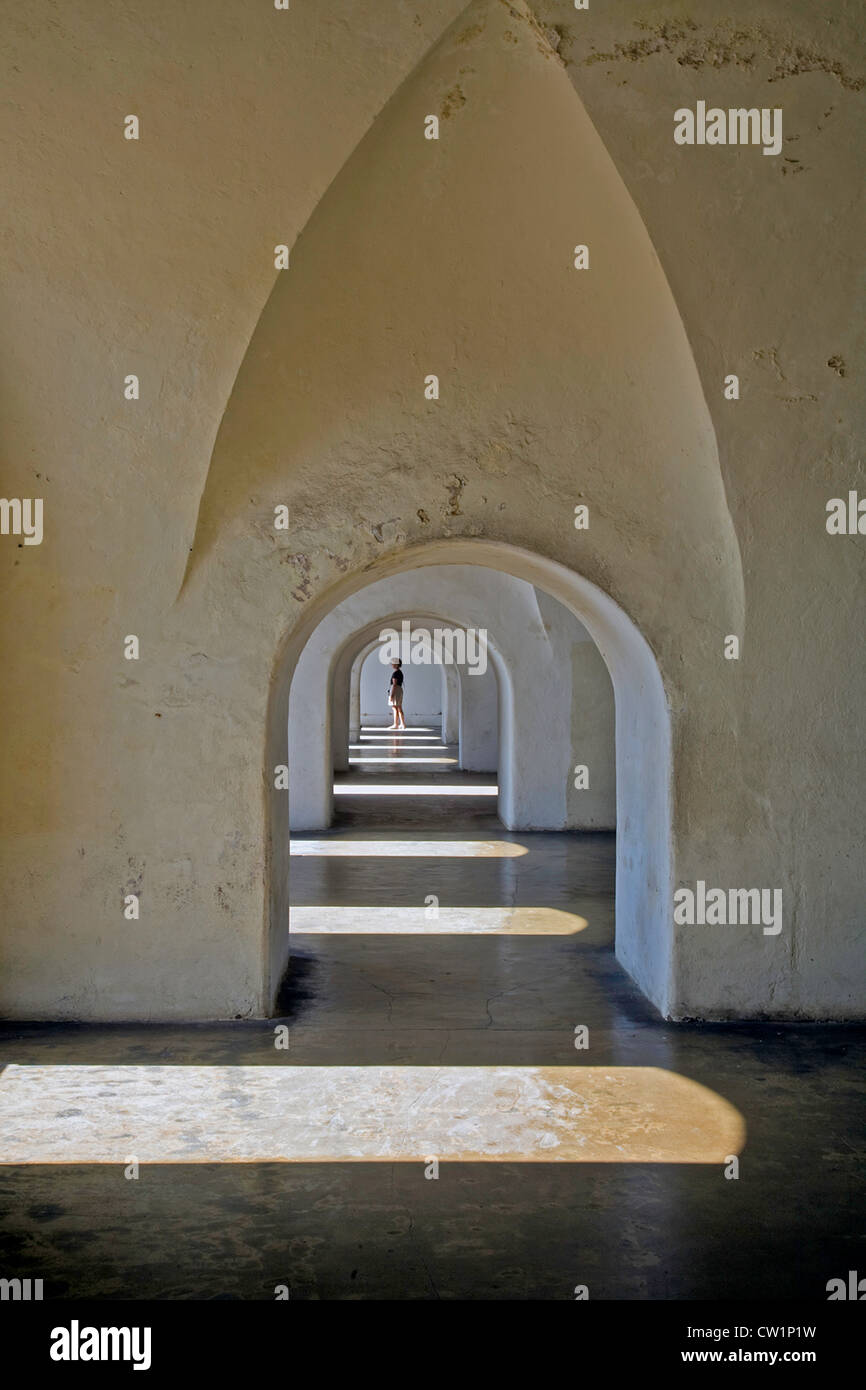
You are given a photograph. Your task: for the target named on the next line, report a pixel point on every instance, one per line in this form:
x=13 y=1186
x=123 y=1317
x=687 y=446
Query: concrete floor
x=414 y=1036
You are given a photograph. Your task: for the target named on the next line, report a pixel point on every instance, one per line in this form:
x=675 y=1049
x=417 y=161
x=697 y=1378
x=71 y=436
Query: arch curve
x=645 y=868
x=318 y=761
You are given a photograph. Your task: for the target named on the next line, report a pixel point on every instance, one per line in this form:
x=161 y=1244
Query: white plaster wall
x=479 y=722
x=452 y=687
x=578 y=667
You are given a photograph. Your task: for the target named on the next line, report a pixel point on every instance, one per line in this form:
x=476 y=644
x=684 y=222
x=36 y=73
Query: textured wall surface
x=304 y=387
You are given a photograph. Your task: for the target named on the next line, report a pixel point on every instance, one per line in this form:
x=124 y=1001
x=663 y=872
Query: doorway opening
x=643 y=875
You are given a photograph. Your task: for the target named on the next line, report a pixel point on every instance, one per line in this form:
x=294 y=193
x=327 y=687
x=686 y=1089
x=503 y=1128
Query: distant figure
x=395 y=695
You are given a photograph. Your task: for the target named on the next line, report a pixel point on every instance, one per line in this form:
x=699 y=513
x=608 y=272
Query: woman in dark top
x=395 y=695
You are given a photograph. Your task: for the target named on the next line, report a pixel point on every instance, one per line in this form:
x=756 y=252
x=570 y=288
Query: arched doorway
x=318 y=747
x=644 y=871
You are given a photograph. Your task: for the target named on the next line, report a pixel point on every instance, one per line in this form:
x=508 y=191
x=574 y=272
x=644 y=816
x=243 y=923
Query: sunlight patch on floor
x=448 y=921
x=373 y=745
x=410 y=849
x=401 y=758
x=413 y=789
x=401 y=735
x=315 y=1114
x=409 y=729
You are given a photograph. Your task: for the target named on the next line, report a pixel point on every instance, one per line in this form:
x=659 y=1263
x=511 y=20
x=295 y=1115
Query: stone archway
x=607 y=411
x=645 y=869
x=451 y=692
x=315 y=752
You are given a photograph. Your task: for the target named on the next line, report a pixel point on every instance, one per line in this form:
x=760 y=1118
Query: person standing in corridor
x=395 y=695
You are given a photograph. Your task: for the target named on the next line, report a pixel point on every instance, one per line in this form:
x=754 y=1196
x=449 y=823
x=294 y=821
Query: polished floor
x=473 y=1102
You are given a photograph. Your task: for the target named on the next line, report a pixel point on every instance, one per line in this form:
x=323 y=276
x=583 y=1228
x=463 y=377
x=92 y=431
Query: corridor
x=345 y=343
x=441 y=970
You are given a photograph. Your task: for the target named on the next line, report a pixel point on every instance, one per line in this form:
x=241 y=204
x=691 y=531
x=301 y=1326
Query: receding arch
x=452 y=731
x=372 y=472
x=644 y=867
x=451 y=686
x=533 y=632
x=320 y=760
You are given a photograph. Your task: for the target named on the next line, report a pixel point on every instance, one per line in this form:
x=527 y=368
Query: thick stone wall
x=305 y=387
